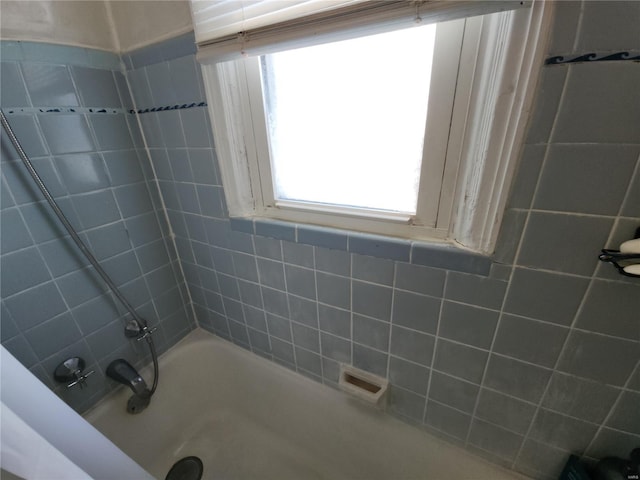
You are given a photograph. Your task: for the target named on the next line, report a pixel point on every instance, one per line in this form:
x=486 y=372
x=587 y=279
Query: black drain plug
x=187 y=468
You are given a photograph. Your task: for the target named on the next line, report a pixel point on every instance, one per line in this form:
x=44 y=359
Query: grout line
x=433 y=354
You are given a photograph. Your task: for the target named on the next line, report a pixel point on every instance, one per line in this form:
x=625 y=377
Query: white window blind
x=229 y=29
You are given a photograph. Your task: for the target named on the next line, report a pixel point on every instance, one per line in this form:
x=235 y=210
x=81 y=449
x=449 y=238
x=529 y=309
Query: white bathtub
x=246 y=417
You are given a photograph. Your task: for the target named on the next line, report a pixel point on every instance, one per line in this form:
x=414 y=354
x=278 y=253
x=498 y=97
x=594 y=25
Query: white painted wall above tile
x=141 y=23
x=79 y=23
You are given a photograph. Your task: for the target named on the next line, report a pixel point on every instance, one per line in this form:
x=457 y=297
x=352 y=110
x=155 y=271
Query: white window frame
x=499 y=64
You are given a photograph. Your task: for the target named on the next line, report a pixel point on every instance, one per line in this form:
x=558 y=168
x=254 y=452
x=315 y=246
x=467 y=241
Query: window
x=440 y=110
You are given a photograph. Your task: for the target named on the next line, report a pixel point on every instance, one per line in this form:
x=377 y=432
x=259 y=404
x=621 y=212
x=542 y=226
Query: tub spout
x=122 y=371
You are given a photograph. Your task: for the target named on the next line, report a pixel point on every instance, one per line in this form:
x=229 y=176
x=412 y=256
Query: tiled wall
x=523 y=366
x=87 y=149
x=535 y=360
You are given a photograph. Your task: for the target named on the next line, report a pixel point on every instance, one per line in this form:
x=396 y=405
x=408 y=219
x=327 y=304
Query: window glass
x=346 y=120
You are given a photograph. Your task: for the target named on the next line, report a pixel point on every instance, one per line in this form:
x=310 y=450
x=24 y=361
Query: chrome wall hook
x=627 y=259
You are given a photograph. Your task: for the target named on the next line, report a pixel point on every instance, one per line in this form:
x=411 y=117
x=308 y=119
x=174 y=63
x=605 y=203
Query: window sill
x=431 y=254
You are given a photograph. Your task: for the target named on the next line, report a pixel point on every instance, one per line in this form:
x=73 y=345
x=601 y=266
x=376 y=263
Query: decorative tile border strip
x=79 y=110
x=594 y=57
x=92 y=110
x=169 y=107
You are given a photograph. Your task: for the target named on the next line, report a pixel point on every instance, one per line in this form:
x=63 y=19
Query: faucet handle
x=72 y=370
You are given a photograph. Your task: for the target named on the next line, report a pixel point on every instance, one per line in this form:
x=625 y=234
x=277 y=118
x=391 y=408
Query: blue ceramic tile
x=46 y=168
x=418 y=312
x=171 y=128
x=275 y=301
x=133 y=200
x=11 y=51
x=66 y=133
x=495 y=440
x=449 y=257
x=334 y=321
x=97 y=88
x=95 y=314
x=379 y=246
x=212 y=202
x=371 y=269
x=222 y=260
x=303 y=311
x=336 y=348
x=543 y=231
x=195 y=227
x=411 y=345
x=605 y=359
x=180 y=46
x=515 y=378
x=453 y=392
x=140 y=88
x=28 y=313
x=530 y=340
x=275 y=229
x=28 y=134
x=6 y=200
x=242 y=224
x=306 y=337
x=250 y=293
x=563 y=432
x=505 y=411
x=196 y=127
x=162 y=91
x=82 y=173
x=22 y=270
x=203 y=166
x=51 y=53
x=298 y=254
x=143 y=229
x=268 y=247
x=41 y=221
x=334 y=290
x=469 y=325
x=62 y=256
x=49 y=85
x=14 y=93
x=370 y=360
x=408 y=375
x=371 y=300
x=80 y=287
x=322 y=237
x=96 y=209
x=332 y=261
x=475 y=290
x=271 y=273
x=557 y=297
x=109 y=240
x=146 y=55
x=188 y=197
x=309 y=361
x=112 y=132
x=444 y=419
x=370 y=332
x=259 y=340
x=53 y=335
x=19 y=348
x=255 y=318
x=406 y=404
x=123 y=167
x=283 y=351
x=301 y=281
x=14 y=232
x=102 y=59
x=418 y=279
x=279 y=327
x=460 y=361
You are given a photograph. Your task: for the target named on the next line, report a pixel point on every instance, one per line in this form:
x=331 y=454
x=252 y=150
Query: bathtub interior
x=248 y=418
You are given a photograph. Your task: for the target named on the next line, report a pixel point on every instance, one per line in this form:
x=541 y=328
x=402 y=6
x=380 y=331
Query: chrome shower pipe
x=145 y=332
